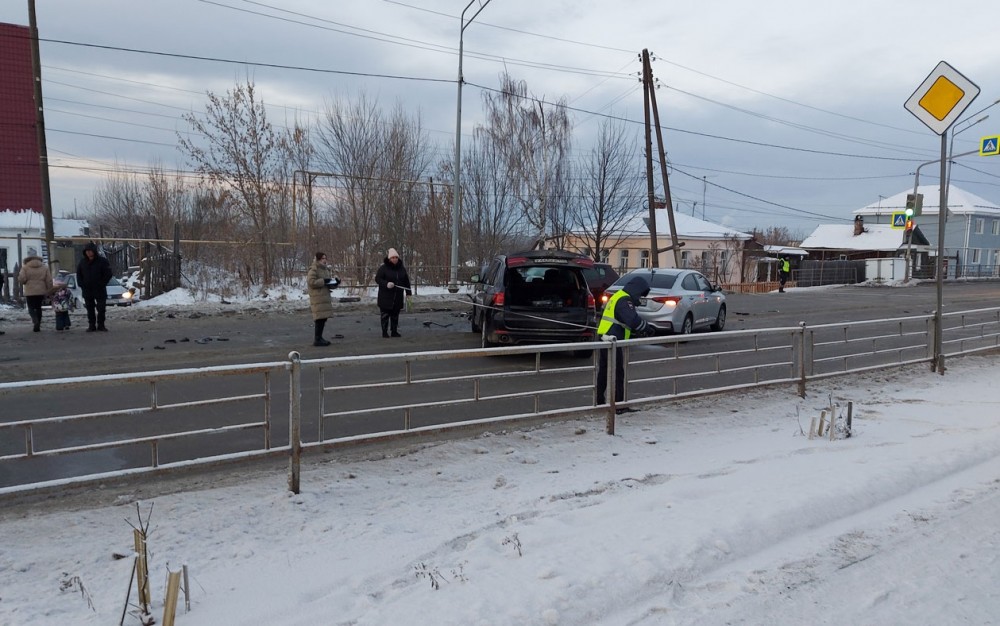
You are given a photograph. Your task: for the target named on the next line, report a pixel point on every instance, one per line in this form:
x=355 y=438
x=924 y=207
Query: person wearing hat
x=92 y=275
x=62 y=302
x=320 y=281
x=36 y=281
x=393 y=287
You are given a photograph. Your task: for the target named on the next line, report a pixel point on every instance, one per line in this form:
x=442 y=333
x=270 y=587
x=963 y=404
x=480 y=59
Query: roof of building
x=785 y=250
x=31 y=224
x=960 y=202
x=688 y=227
x=876 y=237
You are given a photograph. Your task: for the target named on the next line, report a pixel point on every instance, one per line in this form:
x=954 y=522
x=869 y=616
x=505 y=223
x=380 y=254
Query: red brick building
x=20 y=173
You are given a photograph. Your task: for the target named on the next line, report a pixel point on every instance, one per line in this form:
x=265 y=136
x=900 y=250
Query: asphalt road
x=146 y=339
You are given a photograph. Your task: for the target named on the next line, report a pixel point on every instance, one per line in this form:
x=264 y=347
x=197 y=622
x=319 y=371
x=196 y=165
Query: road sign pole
x=938 y=365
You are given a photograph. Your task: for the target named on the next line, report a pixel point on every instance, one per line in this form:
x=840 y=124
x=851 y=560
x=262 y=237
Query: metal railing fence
x=342 y=400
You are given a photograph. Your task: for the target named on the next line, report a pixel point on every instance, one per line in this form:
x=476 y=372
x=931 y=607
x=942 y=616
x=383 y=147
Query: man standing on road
x=621 y=321
x=92 y=275
x=784 y=269
x=393 y=287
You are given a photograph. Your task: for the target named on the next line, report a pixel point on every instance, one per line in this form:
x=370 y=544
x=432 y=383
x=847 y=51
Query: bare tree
x=239 y=150
x=119 y=203
x=533 y=137
x=490 y=210
x=610 y=189
x=379 y=163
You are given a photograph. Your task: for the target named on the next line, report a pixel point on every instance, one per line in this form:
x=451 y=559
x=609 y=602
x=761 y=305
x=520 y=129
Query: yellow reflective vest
x=608 y=316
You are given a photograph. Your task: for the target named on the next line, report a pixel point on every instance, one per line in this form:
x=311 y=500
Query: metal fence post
x=802 y=359
x=612 y=385
x=294 y=420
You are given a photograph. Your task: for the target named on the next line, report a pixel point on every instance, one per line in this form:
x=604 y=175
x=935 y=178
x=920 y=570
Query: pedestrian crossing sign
x=989 y=146
x=899 y=220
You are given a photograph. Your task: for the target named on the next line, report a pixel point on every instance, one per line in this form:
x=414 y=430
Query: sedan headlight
x=127 y=295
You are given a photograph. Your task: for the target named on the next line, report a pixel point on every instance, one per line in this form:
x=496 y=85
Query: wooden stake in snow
x=822 y=423
x=141 y=570
x=812 y=427
x=170 y=602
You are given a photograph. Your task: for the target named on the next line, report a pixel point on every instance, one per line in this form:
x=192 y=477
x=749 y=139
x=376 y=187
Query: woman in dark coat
x=393 y=286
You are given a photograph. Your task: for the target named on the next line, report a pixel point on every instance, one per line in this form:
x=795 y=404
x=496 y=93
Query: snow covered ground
x=717 y=510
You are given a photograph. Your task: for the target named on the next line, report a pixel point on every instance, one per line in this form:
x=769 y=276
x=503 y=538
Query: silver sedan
x=679 y=301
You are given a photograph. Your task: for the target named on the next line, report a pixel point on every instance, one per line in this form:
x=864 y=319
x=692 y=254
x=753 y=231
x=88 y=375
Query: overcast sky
x=773 y=113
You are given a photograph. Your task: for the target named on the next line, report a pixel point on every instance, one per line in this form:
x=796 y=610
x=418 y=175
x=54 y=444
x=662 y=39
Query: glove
x=332 y=283
x=646 y=330
x=390 y=285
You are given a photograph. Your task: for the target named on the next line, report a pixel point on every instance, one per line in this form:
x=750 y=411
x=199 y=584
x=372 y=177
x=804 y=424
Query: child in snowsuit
x=62 y=302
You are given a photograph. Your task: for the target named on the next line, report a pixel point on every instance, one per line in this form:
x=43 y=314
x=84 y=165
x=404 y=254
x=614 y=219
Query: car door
x=694 y=297
x=707 y=305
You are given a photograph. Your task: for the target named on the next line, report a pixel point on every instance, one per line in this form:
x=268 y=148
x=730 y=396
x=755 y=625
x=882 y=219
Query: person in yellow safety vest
x=784 y=269
x=622 y=321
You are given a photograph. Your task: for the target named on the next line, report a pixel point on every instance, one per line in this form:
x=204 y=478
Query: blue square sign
x=989 y=146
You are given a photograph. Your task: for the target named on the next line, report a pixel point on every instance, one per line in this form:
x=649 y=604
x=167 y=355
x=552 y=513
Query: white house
x=30 y=226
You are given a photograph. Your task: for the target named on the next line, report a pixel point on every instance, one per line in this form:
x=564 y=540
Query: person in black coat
x=92 y=275
x=393 y=287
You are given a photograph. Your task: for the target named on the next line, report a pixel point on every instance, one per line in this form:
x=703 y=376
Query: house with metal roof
x=972 y=227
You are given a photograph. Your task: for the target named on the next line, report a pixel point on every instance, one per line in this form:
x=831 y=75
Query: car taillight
x=604 y=299
x=667 y=300
x=591 y=303
x=498 y=299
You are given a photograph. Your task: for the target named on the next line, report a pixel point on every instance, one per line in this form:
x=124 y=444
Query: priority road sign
x=989 y=146
x=899 y=220
x=942 y=97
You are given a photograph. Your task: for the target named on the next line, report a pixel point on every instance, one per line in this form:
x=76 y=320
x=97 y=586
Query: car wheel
x=720 y=320
x=687 y=326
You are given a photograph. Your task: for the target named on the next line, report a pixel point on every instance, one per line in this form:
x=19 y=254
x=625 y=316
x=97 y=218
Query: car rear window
x=663 y=281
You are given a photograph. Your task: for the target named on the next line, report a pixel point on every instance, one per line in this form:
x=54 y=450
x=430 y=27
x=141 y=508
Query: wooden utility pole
x=649 y=89
x=43 y=152
x=647 y=85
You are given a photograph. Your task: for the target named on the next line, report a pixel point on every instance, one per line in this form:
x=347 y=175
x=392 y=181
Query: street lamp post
x=457 y=193
x=916 y=183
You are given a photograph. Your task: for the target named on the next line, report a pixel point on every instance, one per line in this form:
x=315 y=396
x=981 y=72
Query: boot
x=318 y=340
x=36 y=320
x=385 y=325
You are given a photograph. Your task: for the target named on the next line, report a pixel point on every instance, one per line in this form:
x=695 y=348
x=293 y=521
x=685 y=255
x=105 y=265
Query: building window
x=976 y=256
x=623 y=261
x=980 y=225
x=605 y=255
x=685 y=259
x=996 y=227
x=644 y=258
x=705 y=258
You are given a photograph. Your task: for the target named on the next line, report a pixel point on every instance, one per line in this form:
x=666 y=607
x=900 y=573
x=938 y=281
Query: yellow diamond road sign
x=942 y=97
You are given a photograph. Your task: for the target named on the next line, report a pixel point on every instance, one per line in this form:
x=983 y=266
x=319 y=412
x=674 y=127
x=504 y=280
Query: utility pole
x=650 y=90
x=650 y=193
x=43 y=152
